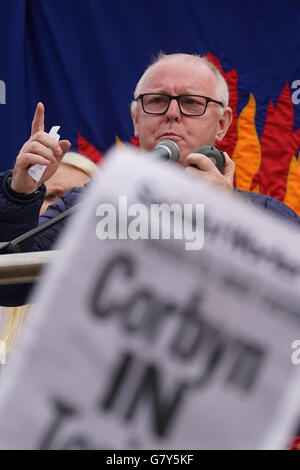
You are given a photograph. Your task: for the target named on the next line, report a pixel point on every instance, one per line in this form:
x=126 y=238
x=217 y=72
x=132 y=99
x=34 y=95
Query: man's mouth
x=170 y=136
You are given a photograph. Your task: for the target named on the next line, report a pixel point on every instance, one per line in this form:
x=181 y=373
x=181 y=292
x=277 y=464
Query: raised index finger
x=38 y=119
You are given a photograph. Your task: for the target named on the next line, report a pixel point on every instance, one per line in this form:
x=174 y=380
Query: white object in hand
x=36 y=171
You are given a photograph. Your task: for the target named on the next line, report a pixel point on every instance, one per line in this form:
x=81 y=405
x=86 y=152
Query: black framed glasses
x=189 y=105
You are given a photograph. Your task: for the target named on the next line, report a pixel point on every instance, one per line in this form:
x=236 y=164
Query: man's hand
x=208 y=171
x=40 y=148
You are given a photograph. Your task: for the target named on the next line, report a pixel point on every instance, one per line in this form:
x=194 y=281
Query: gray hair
x=222 y=93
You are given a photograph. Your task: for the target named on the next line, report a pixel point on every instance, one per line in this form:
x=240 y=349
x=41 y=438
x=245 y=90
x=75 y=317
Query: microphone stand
x=13 y=245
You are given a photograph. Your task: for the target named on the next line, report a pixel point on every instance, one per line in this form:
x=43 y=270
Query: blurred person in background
x=75 y=170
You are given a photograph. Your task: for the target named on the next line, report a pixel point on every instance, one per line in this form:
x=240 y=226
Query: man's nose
x=173 y=111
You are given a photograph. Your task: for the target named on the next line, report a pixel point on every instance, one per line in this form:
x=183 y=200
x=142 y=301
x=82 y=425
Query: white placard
x=146 y=344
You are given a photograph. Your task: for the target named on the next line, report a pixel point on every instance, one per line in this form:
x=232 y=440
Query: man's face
x=179 y=77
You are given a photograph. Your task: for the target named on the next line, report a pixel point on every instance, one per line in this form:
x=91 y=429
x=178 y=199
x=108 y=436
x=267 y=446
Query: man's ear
x=223 y=124
x=134 y=117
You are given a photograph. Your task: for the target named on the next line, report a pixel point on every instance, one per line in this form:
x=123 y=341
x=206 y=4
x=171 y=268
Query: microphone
x=167 y=150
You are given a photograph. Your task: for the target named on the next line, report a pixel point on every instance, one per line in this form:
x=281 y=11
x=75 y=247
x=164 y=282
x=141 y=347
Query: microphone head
x=171 y=147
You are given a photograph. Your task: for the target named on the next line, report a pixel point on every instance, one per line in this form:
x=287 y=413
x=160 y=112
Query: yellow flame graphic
x=119 y=142
x=247 y=152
